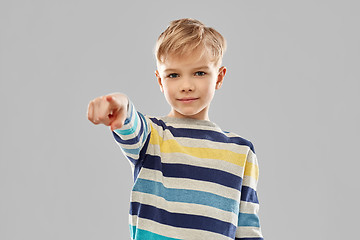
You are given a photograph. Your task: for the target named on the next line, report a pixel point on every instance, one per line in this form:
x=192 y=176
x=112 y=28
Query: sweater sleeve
x=131 y=137
x=248 y=222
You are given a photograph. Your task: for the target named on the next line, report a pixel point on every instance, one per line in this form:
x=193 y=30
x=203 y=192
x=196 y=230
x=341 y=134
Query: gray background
x=292 y=88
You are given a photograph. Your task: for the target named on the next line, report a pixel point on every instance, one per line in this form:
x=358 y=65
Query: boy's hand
x=110 y=110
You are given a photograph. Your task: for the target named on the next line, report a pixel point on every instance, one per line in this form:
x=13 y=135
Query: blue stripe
x=249 y=195
x=139 y=162
x=182 y=220
x=129 y=141
x=133 y=160
x=134 y=140
x=186 y=196
x=134 y=151
x=203 y=134
x=144 y=123
x=194 y=172
x=248 y=220
x=140 y=234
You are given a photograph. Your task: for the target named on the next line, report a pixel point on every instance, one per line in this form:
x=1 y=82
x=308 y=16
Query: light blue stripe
x=130 y=130
x=248 y=220
x=145 y=130
x=135 y=151
x=186 y=196
x=139 y=234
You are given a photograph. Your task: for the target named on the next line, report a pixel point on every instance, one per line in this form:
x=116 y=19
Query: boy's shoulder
x=187 y=127
x=239 y=139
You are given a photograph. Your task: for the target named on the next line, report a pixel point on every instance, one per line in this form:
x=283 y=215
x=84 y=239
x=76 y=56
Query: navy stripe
x=182 y=220
x=131 y=141
x=142 y=157
x=140 y=161
x=193 y=172
x=203 y=134
x=249 y=195
x=134 y=161
x=143 y=122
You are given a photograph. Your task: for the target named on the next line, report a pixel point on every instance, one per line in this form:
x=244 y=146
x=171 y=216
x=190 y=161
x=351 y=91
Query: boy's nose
x=187 y=89
x=187 y=85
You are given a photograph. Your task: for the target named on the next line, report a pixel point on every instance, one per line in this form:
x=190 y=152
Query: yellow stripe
x=171 y=145
x=251 y=170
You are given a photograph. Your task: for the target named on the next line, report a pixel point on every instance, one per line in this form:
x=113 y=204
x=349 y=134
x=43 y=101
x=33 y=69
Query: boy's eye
x=173 y=75
x=200 y=73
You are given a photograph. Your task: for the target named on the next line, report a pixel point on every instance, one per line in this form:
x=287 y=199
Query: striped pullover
x=191 y=179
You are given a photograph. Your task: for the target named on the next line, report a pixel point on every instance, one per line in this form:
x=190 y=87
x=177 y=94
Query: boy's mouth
x=187 y=99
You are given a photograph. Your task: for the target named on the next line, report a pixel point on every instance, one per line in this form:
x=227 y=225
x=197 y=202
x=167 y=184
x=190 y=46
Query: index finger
x=111 y=100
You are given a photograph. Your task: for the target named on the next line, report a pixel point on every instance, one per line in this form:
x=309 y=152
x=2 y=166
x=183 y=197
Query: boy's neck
x=199 y=116
x=187 y=120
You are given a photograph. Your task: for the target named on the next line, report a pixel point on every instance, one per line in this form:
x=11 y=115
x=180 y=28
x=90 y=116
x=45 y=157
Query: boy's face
x=189 y=84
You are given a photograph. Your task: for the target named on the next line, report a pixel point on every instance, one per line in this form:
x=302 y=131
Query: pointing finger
x=113 y=103
x=119 y=121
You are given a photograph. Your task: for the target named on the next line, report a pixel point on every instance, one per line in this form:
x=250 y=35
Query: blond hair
x=184 y=36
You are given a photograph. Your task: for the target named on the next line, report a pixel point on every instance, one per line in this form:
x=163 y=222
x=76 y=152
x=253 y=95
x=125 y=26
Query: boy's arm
x=131 y=137
x=248 y=223
x=129 y=127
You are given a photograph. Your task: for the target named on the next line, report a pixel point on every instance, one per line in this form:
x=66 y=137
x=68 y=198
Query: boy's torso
x=190 y=177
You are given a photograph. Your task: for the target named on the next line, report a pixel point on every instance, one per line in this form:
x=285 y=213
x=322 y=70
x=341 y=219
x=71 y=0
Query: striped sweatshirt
x=191 y=179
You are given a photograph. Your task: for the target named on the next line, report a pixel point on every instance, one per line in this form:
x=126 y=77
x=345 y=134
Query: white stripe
x=250 y=182
x=192 y=142
x=132 y=120
x=231 y=134
x=132 y=166
x=169 y=231
x=249 y=207
x=248 y=232
x=130 y=124
x=133 y=146
x=190 y=184
x=251 y=157
x=191 y=126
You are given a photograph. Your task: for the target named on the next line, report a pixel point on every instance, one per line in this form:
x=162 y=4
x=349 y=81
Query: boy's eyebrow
x=174 y=70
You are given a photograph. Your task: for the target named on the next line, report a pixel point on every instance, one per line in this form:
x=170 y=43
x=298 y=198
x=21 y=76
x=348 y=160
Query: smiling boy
x=192 y=180
x=189 y=83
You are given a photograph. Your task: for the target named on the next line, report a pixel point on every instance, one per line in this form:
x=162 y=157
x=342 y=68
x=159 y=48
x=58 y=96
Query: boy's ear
x=221 y=75
x=159 y=80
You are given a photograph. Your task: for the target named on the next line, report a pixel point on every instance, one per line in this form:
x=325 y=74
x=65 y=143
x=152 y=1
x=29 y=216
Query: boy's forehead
x=193 y=60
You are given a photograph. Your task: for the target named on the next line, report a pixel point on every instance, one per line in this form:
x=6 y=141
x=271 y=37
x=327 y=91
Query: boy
x=191 y=179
